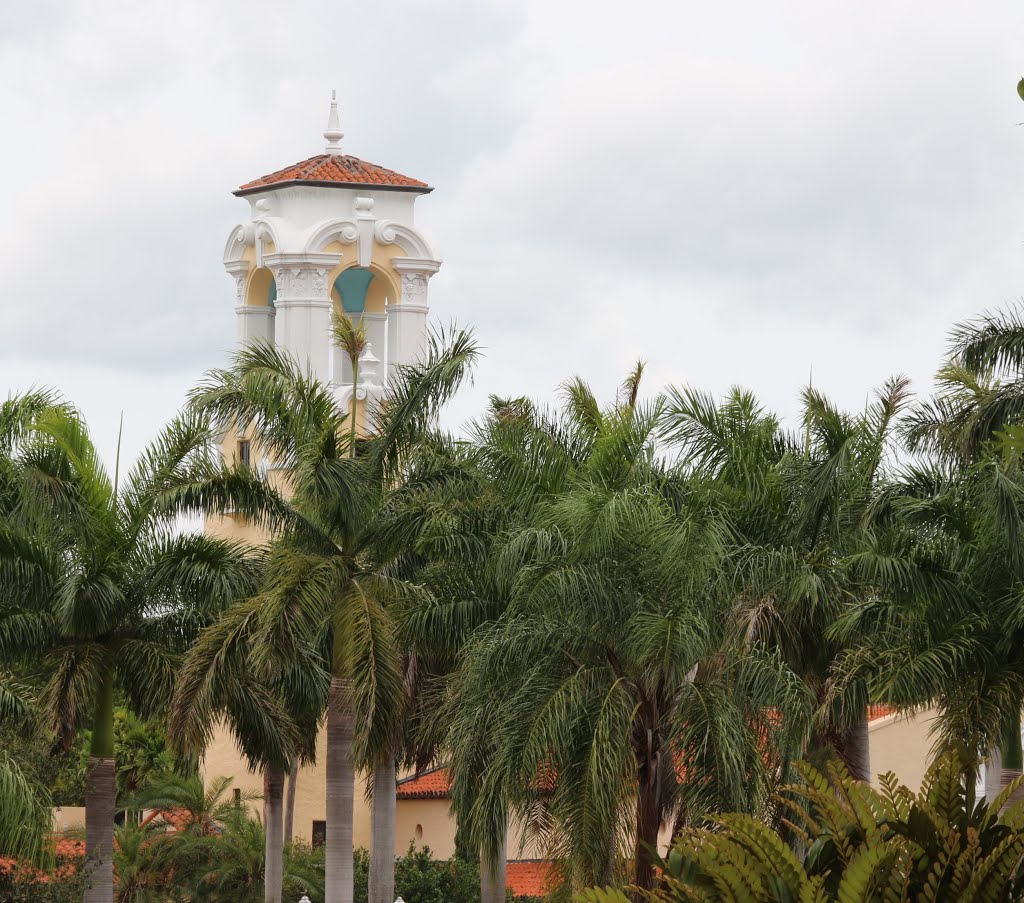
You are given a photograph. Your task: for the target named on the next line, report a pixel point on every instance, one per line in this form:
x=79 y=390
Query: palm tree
x=24 y=805
x=963 y=498
x=144 y=753
x=324 y=536
x=811 y=541
x=101 y=589
x=606 y=648
x=188 y=805
x=230 y=868
x=273 y=713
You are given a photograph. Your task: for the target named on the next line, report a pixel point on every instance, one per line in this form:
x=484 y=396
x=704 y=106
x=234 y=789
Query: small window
x=419 y=832
x=244 y=452
x=237 y=793
x=319 y=833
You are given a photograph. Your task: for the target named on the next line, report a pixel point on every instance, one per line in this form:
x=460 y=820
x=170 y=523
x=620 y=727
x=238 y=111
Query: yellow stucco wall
x=222 y=758
x=68 y=818
x=387 y=284
x=901 y=744
x=436 y=827
x=898 y=743
x=432 y=816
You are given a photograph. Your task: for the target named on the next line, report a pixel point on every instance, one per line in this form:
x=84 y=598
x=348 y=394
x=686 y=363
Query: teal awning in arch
x=351 y=286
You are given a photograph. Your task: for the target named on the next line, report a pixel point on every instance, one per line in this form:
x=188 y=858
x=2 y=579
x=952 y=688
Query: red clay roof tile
x=334 y=169
x=434 y=784
x=530 y=877
x=880 y=710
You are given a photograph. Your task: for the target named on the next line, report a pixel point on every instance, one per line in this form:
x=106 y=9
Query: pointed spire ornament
x=333 y=132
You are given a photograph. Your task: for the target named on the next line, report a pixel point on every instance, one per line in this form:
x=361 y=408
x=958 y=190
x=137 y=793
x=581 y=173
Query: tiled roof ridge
x=419 y=774
x=335 y=169
x=434 y=783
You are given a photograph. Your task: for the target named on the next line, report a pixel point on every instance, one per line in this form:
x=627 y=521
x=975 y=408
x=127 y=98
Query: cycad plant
x=858 y=844
x=100 y=588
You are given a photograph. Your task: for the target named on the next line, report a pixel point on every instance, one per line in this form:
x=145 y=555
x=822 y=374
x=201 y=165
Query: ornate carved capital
x=414 y=288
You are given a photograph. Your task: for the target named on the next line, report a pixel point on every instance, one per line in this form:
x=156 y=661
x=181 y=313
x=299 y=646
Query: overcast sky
x=740 y=193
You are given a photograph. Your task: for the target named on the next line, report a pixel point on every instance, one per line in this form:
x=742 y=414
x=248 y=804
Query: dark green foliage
x=61 y=771
x=227 y=868
x=421 y=879
x=861 y=845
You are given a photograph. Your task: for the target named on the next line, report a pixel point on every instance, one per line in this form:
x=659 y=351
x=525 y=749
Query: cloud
x=740 y=193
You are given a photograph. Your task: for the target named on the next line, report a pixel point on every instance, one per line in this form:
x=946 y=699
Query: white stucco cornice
x=425 y=265
x=322 y=260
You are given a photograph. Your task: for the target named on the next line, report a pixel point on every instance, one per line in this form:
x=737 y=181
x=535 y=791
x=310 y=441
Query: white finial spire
x=333 y=132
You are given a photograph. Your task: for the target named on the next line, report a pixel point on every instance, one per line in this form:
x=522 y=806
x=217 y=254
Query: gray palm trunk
x=340 y=792
x=289 y=804
x=492 y=876
x=993 y=773
x=382 y=829
x=100 y=803
x=273 y=796
x=856 y=749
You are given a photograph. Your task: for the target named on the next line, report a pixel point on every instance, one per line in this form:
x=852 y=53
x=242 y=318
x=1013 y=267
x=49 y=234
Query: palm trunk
x=273 y=794
x=993 y=773
x=382 y=846
x=340 y=792
x=492 y=875
x=648 y=819
x=1012 y=756
x=100 y=799
x=289 y=804
x=855 y=749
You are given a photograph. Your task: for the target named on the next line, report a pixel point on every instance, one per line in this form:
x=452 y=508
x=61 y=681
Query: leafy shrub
x=422 y=879
x=861 y=845
x=227 y=868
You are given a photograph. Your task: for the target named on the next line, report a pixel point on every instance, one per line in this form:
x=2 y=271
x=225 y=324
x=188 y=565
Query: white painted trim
x=414 y=243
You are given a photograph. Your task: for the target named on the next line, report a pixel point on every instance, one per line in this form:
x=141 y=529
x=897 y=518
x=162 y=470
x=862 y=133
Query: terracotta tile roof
x=175 y=819
x=335 y=170
x=530 y=877
x=880 y=710
x=434 y=784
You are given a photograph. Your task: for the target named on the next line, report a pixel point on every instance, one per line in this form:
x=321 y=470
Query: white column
x=376 y=324
x=251 y=321
x=254 y=322
x=303 y=321
x=407 y=328
x=407 y=320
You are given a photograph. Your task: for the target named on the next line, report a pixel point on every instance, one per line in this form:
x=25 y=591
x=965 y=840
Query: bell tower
x=333 y=233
